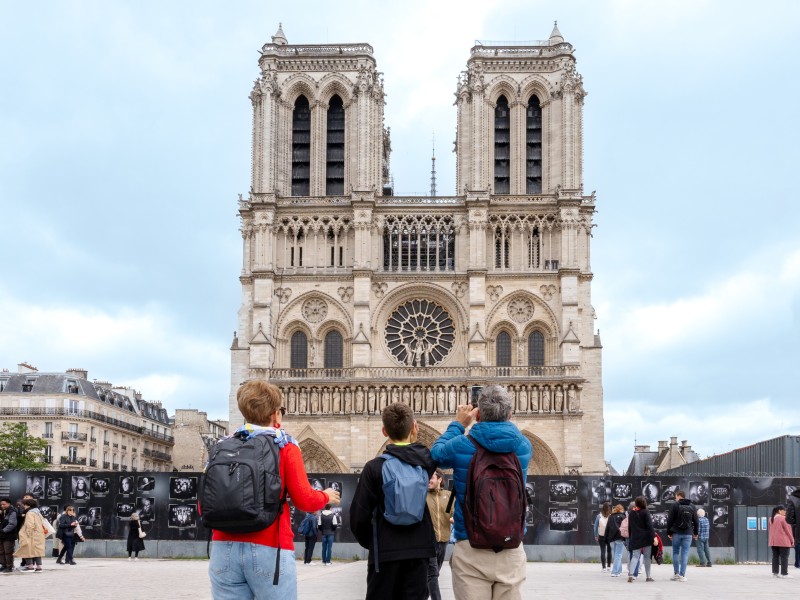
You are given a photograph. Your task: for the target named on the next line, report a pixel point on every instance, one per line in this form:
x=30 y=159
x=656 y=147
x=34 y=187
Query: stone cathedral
x=354 y=297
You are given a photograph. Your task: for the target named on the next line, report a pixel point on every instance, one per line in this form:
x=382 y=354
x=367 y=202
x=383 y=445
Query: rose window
x=420 y=333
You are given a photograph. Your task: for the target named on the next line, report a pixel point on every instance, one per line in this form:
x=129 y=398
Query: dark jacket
x=65 y=526
x=640 y=527
x=327 y=522
x=8 y=524
x=395 y=542
x=673 y=520
x=612 y=527
x=793 y=513
x=135 y=543
x=453 y=449
x=310 y=522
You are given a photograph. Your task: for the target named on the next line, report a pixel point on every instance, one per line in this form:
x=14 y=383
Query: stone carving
x=420 y=333
x=452 y=400
x=558 y=402
x=379 y=289
x=345 y=293
x=440 y=402
x=283 y=294
x=523 y=405
x=545 y=407
x=520 y=310
x=548 y=291
x=572 y=399
x=459 y=288
x=359 y=399
x=494 y=291
x=315 y=310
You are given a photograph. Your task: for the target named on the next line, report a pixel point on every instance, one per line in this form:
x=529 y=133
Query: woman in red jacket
x=242 y=565
x=780 y=540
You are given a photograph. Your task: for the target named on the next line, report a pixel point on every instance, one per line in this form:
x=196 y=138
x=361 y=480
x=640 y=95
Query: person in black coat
x=67 y=523
x=135 y=543
x=642 y=535
x=614 y=537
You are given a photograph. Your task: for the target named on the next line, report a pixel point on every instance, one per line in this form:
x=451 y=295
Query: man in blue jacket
x=482 y=574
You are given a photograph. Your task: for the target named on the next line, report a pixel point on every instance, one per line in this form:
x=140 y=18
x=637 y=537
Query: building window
x=71 y=386
x=412 y=243
x=503 y=352
x=533 y=147
x=301 y=147
x=334 y=350
x=3 y=384
x=420 y=333
x=334 y=168
x=299 y=350
x=502 y=146
x=48 y=430
x=73 y=454
x=28 y=385
x=48 y=454
x=536 y=349
x=502 y=247
x=534 y=249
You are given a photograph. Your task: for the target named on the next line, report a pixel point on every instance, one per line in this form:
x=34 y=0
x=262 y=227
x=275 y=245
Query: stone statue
x=292 y=408
x=326 y=401
x=359 y=400
x=429 y=400
x=371 y=408
x=440 y=407
x=406 y=397
x=312 y=401
x=452 y=399
x=418 y=404
x=303 y=401
x=348 y=401
x=559 y=399
x=572 y=399
x=546 y=399
x=463 y=398
x=523 y=400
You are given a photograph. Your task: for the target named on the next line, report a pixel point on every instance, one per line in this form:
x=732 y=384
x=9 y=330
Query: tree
x=20 y=451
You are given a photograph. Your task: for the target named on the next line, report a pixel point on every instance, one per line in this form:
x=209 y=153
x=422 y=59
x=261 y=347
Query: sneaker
x=27 y=569
x=674 y=577
x=72 y=562
x=708 y=564
x=630 y=578
x=787 y=576
x=134 y=558
x=775 y=575
x=649 y=579
x=38 y=569
x=59 y=561
x=681 y=577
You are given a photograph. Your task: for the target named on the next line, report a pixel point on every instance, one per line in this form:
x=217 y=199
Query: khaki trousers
x=485 y=574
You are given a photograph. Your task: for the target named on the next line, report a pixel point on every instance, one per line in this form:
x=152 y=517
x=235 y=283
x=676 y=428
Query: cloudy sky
x=125 y=137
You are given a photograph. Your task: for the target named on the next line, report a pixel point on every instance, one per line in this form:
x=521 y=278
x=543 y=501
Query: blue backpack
x=405 y=488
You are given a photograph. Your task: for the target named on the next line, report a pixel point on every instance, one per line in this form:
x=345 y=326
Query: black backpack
x=685 y=518
x=240 y=490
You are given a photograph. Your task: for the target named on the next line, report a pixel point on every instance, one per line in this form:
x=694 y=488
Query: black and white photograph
x=182 y=516
x=146 y=509
x=651 y=490
x=183 y=488
x=48 y=512
x=698 y=492
x=563 y=519
x=126 y=486
x=601 y=491
x=530 y=494
x=668 y=493
x=146 y=484
x=83 y=516
x=94 y=517
x=720 y=492
x=336 y=485
x=623 y=492
x=563 y=491
x=34 y=486
x=125 y=509
x=80 y=488
x=338 y=515
x=719 y=516
x=100 y=486
x=789 y=491
x=660 y=519
x=317 y=483
x=54 y=488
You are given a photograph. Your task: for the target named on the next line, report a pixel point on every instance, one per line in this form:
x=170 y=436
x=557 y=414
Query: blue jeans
x=703 y=552
x=681 y=542
x=243 y=571
x=618 y=547
x=327 y=546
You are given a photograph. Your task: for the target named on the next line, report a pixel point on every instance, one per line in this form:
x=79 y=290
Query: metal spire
x=433 y=164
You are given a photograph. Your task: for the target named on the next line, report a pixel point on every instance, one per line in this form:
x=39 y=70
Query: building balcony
x=115 y=445
x=48 y=436
x=70 y=460
x=155 y=454
x=162 y=437
x=68 y=412
x=106 y=465
x=115 y=466
x=124 y=468
x=93 y=440
x=73 y=436
x=106 y=443
x=92 y=462
x=47 y=459
x=124 y=447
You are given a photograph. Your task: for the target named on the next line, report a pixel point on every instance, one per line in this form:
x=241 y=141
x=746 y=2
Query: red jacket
x=293 y=478
x=780 y=533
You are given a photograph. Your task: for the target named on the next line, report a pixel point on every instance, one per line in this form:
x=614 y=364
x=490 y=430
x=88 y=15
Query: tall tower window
x=533 y=147
x=334 y=350
x=502 y=146
x=503 y=352
x=502 y=248
x=534 y=249
x=334 y=169
x=301 y=147
x=299 y=350
x=536 y=349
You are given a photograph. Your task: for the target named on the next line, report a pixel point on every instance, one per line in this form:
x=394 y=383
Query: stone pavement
x=158 y=579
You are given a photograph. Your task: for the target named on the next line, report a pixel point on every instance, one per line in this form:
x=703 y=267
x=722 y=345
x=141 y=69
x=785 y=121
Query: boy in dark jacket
x=682 y=526
x=403 y=551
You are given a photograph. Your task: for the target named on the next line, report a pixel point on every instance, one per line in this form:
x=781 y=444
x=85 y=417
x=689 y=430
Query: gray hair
x=495 y=403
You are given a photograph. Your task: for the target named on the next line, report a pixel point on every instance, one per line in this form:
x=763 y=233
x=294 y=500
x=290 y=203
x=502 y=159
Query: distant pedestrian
x=135 y=541
x=308 y=528
x=642 y=536
x=682 y=526
x=781 y=539
x=328 y=521
x=600 y=524
x=8 y=535
x=703 y=530
x=31 y=537
x=793 y=518
x=67 y=523
x=614 y=537
x=438 y=502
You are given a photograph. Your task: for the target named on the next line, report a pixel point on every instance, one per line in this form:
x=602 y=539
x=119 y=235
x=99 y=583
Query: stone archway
x=544 y=461
x=426 y=435
x=317 y=457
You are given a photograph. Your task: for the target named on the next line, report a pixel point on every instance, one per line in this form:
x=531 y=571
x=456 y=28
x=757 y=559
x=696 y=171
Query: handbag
x=47 y=528
x=142 y=533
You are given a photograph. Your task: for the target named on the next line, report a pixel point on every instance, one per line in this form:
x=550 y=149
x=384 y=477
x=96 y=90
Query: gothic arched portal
x=544 y=461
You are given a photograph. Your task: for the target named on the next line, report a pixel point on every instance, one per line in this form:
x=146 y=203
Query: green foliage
x=20 y=451
x=667 y=558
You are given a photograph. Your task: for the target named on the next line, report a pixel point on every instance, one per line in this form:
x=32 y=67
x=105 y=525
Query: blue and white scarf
x=249 y=430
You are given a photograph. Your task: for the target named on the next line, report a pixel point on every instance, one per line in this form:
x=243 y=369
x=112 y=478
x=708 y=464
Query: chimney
x=642 y=448
x=662 y=445
x=79 y=373
x=24 y=367
x=673 y=441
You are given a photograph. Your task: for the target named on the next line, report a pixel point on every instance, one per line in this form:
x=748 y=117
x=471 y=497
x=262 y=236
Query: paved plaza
x=155 y=579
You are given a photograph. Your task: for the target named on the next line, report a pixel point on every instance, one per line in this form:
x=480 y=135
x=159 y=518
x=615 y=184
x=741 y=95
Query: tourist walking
x=703 y=533
x=642 y=537
x=328 y=522
x=682 y=526
x=781 y=539
x=614 y=537
x=135 y=541
x=8 y=535
x=31 y=537
x=438 y=503
x=67 y=523
x=600 y=524
x=308 y=527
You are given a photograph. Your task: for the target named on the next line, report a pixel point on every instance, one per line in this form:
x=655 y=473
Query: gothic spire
x=433 y=165
x=555 y=36
x=279 y=38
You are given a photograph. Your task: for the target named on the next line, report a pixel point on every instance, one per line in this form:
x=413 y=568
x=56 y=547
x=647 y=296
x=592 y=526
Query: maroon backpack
x=495 y=501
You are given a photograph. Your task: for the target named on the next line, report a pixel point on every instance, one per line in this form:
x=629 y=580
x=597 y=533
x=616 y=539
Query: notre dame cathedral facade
x=354 y=297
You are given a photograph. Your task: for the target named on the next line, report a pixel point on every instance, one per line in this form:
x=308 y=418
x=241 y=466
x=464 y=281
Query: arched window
x=536 y=352
x=502 y=146
x=299 y=351
x=301 y=147
x=334 y=168
x=533 y=147
x=503 y=353
x=334 y=352
x=502 y=248
x=534 y=249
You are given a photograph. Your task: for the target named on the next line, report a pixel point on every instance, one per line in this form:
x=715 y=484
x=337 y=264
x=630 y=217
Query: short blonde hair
x=258 y=400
